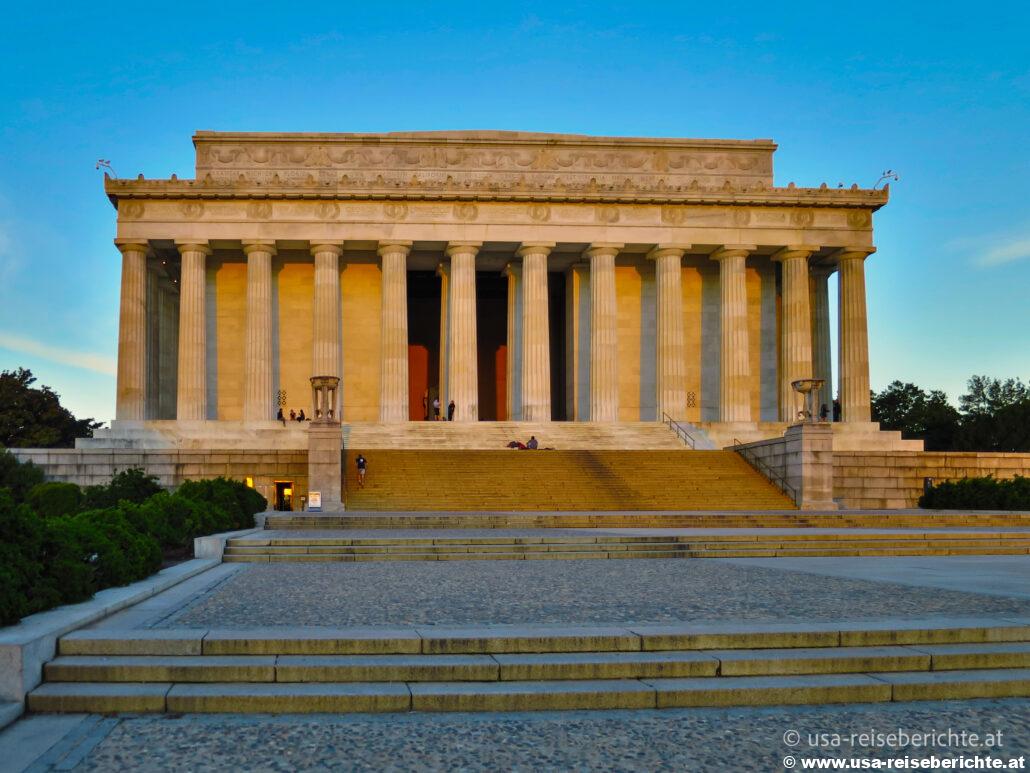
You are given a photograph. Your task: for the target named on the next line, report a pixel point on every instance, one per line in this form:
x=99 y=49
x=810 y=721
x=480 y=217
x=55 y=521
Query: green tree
x=33 y=417
x=996 y=415
x=927 y=416
x=987 y=395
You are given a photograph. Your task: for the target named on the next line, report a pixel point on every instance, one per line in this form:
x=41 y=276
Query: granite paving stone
x=559 y=592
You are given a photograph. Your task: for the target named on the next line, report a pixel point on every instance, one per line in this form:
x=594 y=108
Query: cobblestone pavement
x=559 y=592
x=674 y=740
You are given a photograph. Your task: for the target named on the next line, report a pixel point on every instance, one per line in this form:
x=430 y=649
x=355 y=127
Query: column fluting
x=132 y=334
x=393 y=372
x=604 y=341
x=258 y=400
x=191 y=402
x=670 y=352
x=819 y=298
x=462 y=352
x=853 y=350
x=734 y=354
x=536 y=335
x=326 y=312
x=795 y=328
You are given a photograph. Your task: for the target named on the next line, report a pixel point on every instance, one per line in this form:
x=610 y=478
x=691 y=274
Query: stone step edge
x=429 y=640
x=526 y=696
x=593 y=666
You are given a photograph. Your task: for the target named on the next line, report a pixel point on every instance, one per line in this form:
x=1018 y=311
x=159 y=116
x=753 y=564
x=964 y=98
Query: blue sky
x=939 y=92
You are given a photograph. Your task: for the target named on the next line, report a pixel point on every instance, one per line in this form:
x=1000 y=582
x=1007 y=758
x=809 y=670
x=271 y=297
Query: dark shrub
x=128 y=485
x=53 y=499
x=985 y=493
x=17 y=476
x=238 y=500
x=69 y=559
x=122 y=554
x=20 y=567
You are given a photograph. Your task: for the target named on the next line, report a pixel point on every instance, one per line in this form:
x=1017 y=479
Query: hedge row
x=979 y=494
x=60 y=544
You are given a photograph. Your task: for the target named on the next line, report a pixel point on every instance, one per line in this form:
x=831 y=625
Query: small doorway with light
x=284 y=495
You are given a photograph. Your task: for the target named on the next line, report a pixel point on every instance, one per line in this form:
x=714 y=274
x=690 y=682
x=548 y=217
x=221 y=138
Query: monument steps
x=515 y=669
x=299 y=549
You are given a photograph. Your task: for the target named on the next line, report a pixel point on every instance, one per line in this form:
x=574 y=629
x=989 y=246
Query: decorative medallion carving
x=466 y=210
x=130 y=210
x=606 y=214
x=395 y=210
x=740 y=217
x=674 y=215
x=328 y=210
x=802 y=218
x=191 y=209
x=859 y=218
x=259 y=210
x=540 y=212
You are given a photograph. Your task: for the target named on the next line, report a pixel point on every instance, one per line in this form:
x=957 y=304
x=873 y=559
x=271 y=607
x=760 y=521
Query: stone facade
x=693 y=285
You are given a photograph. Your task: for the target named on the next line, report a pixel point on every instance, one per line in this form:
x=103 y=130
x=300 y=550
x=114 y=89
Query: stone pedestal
x=809 y=464
x=325 y=463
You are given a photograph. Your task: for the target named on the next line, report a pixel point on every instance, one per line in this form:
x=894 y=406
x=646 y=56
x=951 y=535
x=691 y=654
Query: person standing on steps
x=436 y=409
x=280 y=417
x=362 y=465
x=450 y=411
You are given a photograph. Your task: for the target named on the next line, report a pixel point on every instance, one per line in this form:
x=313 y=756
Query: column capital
x=668 y=250
x=393 y=246
x=187 y=246
x=258 y=246
x=603 y=249
x=794 y=251
x=333 y=246
x=534 y=248
x=462 y=248
x=733 y=251
x=853 y=253
x=131 y=245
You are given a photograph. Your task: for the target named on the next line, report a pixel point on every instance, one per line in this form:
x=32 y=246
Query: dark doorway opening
x=556 y=313
x=284 y=495
x=423 y=342
x=492 y=345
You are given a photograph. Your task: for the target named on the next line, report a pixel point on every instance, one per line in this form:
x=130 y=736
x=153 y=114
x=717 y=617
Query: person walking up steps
x=362 y=465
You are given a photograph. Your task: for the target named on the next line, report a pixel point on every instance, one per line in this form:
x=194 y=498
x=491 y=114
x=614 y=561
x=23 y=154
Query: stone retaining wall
x=87 y=467
x=892 y=479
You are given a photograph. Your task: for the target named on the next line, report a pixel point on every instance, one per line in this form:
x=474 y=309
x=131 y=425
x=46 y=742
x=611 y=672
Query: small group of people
x=532 y=445
x=294 y=416
x=436 y=408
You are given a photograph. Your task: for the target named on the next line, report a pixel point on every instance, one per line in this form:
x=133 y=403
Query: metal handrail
x=776 y=478
x=680 y=430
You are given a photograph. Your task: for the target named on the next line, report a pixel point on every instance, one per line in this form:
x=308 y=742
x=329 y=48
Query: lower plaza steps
x=452 y=546
x=518 y=669
x=506 y=480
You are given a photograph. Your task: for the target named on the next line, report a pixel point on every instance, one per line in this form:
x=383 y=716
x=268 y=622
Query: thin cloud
x=1003 y=254
x=97 y=363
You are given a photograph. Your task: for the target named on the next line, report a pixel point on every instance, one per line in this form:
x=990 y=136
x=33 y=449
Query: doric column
x=604 y=341
x=734 y=358
x=671 y=367
x=853 y=349
x=462 y=354
x=191 y=404
x=536 y=332
x=258 y=400
x=513 y=358
x=132 y=333
x=326 y=312
x=393 y=371
x=795 y=327
x=819 y=299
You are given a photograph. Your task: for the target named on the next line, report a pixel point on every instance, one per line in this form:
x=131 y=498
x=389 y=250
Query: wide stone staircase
x=505 y=668
x=507 y=480
x=453 y=546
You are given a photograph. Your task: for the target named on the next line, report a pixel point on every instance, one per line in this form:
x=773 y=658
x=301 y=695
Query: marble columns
x=854 y=336
x=462 y=353
x=191 y=402
x=536 y=338
x=795 y=328
x=393 y=371
x=670 y=369
x=819 y=299
x=734 y=359
x=132 y=333
x=326 y=312
x=258 y=400
x=604 y=344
